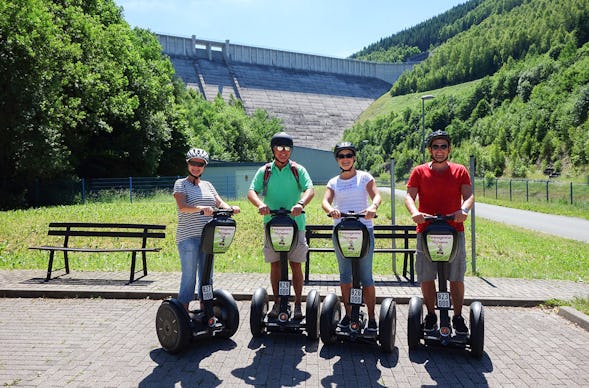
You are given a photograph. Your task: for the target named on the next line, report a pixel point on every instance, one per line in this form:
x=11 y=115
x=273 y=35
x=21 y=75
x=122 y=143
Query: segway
x=353 y=242
x=439 y=245
x=282 y=232
x=220 y=317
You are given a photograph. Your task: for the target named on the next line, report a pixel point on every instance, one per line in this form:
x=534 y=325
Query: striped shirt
x=203 y=194
x=351 y=194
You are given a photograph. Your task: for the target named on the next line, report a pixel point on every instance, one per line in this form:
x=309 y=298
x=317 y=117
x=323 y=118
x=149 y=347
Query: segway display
x=220 y=316
x=353 y=241
x=282 y=233
x=439 y=245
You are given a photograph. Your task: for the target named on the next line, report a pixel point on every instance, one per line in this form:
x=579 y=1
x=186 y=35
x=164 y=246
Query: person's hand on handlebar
x=206 y=210
x=419 y=218
x=236 y=209
x=296 y=210
x=459 y=215
x=370 y=212
x=334 y=213
x=263 y=209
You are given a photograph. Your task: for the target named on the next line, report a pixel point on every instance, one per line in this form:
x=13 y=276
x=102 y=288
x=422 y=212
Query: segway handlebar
x=439 y=217
x=352 y=214
x=220 y=212
x=281 y=212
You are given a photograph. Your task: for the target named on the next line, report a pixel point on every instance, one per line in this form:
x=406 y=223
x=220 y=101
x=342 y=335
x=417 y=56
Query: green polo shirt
x=282 y=190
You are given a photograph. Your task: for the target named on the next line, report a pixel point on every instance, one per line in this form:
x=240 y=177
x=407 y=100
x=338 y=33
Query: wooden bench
x=100 y=230
x=392 y=233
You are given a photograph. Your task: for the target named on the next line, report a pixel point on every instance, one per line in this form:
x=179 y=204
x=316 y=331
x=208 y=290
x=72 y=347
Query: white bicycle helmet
x=197 y=153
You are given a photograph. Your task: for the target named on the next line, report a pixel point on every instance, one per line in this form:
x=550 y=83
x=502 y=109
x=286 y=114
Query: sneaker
x=298 y=313
x=459 y=325
x=431 y=323
x=344 y=323
x=275 y=311
x=372 y=327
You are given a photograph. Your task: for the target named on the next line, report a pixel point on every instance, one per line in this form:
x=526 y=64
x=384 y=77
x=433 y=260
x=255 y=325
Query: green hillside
x=513 y=93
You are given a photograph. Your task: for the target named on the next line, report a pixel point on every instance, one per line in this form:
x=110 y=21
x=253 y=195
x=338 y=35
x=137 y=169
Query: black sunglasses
x=439 y=146
x=196 y=164
x=345 y=156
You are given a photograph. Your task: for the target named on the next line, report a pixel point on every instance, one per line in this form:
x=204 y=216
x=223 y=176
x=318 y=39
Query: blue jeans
x=192 y=259
x=365 y=270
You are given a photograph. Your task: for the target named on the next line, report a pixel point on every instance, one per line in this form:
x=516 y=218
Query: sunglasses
x=439 y=146
x=345 y=156
x=196 y=164
x=282 y=148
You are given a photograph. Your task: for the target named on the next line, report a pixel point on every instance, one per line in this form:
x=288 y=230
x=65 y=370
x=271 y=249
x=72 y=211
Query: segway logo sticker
x=281 y=238
x=223 y=238
x=350 y=242
x=440 y=246
x=284 y=288
x=207 y=292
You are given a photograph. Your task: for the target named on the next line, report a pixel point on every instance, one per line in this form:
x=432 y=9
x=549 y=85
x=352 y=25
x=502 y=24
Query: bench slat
x=104 y=225
x=96 y=233
x=71 y=249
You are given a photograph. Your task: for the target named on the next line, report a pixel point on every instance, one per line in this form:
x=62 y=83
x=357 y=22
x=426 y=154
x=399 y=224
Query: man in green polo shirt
x=281 y=183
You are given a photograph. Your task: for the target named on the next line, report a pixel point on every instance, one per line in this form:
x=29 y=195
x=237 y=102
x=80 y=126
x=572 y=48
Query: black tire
x=477 y=329
x=225 y=309
x=330 y=317
x=312 y=315
x=259 y=308
x=172 y=325
x=414 y=322
x=387 y=323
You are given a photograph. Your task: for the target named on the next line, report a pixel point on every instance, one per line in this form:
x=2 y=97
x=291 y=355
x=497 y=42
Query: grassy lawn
x=502 y=251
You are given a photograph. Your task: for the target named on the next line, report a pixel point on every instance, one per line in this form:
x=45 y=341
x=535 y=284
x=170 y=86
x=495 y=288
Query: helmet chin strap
x=194 y=176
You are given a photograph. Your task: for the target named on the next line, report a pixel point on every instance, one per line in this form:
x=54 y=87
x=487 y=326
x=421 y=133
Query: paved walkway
x=94 y=330
x=160 y=285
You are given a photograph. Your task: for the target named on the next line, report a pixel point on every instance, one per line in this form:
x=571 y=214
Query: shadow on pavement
x=179 y=369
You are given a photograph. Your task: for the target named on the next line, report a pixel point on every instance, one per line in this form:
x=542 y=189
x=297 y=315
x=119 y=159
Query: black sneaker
x=344 y=323
x=459 y=325
x=273 y=314
x=431 y=323
x=372 y=328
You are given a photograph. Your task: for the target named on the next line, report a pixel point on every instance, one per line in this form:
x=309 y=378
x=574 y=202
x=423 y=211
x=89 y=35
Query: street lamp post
x=423 y=98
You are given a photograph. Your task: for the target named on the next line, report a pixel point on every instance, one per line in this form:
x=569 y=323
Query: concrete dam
x=315 y=97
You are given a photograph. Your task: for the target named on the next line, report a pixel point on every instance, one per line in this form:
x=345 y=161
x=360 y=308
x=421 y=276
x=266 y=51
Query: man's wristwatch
x=465 y=210
x=302 y=203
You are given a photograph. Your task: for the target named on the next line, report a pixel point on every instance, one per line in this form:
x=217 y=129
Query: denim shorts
x=365 y=272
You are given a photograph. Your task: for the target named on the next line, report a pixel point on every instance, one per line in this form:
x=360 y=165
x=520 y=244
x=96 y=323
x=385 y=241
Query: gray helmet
x=281 y=139
x=346 y=145
x=197 y=153
x=438 y=135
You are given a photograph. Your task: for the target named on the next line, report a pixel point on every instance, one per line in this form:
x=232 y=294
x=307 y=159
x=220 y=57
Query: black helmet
x=281 y=139
x=346 y=145
x=438 y=135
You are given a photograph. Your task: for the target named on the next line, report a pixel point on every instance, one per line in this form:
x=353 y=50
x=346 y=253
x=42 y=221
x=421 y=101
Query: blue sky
x=336 y=28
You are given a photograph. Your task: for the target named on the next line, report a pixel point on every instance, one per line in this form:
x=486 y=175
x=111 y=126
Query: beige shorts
x=297 y=254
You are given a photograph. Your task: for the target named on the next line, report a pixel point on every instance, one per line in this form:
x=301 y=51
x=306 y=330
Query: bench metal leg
x=143 y=256
x=66 y=262
x=412 y=268
x=307 y=269
x=133 y=258
x=50 y=265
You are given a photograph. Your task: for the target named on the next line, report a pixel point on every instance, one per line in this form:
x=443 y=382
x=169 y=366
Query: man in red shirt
x=441 y=187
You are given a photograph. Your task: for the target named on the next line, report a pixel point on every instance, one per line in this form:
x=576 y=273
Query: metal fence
x=527 y=190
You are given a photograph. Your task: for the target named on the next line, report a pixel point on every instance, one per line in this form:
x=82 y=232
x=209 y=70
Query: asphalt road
x=573 y=228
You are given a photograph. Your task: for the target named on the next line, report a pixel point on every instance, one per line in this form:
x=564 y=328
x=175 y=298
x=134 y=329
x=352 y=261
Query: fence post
x=393 y=197
x=83 y=191
x=527 y=190
x=510 y=195
x=131 y=189
x=547 y=196
x=571 y=192
x=473 y=219
x=496 y=188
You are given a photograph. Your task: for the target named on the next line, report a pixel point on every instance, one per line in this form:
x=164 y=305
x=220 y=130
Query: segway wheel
x=387 y=323
x=330 y=317
x=312 y=315
x=414 y=322
x=172 y=325
x=258 y=310
x=477 y=329
x=225 y=309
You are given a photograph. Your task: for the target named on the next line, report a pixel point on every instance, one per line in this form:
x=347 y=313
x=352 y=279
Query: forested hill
x=511 y=85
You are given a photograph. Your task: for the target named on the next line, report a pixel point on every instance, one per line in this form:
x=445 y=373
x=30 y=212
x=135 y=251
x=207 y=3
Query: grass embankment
x=502 y=251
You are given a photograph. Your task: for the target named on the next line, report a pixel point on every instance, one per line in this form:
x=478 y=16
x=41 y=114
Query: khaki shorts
x=297 y=254
x=427 y=270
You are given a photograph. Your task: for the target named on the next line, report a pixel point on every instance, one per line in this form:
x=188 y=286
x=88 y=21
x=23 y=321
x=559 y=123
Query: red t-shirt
x=439 y=192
